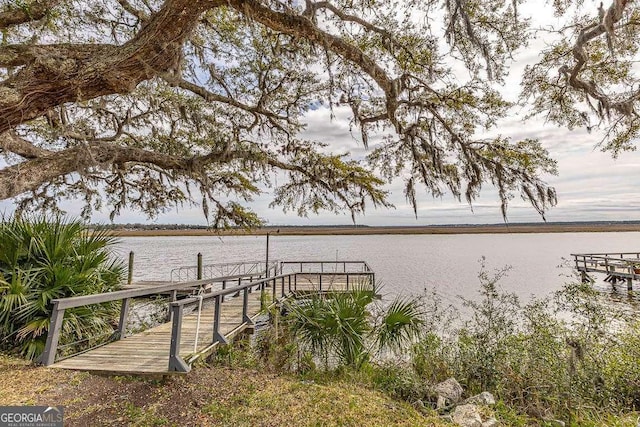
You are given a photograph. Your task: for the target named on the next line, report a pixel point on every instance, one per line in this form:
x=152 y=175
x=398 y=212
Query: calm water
x=405 y=264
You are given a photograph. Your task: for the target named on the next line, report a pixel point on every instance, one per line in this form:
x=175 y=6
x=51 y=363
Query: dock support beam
x=53 y=335
x=130 y=271
x=176 y=363
x=629 y=284
x=124 y=314
x=245 y=309
x=217 y=336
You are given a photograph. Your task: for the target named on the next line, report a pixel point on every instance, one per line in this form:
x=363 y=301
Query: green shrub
x=557 y=357
x=42 y=259
x=341 y=329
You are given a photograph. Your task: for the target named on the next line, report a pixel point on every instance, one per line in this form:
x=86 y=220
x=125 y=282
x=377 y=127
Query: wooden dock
x=216 y=311
x=148 y=351
x=617 y=267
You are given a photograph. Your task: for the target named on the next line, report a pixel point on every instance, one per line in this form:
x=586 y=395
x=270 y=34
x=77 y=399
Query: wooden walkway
x=148 y=351
x=171 y=347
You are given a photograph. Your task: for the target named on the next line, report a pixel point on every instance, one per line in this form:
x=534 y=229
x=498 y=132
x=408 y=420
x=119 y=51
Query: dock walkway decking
x=215 y=317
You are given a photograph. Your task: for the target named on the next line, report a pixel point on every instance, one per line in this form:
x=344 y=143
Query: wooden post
x=245 y=307
x=174 y=297
x=629 y=284
x=282 y=286
x=199 y=266
x=224 y=286
x=130 y=272
x=273 y=290
x=176 y=364
x=124 y=314
x=266 y=262
x=583 y=277
x=217 y=336
x=49 y=355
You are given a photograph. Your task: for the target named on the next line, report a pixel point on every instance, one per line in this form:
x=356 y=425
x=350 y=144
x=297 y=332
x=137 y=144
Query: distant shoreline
x=371 y=230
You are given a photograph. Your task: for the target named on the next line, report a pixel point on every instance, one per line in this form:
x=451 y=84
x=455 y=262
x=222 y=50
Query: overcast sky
x=591 y=185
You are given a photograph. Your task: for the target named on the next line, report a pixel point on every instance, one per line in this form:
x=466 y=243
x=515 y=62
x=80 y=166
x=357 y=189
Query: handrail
x=177 y=306
x=364 y=264
x=79 y=301
x=176 y=363
x=61 y=304
x=228 y=291
x=256 y=267
x=608 y=253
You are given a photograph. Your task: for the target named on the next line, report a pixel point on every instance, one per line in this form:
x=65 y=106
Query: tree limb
x=214 y=97
x=156 y=48
x=126 y=5
x=45 y=166
x=586 y=35
x=10 y=142
x=301 y=26
x=28 y=11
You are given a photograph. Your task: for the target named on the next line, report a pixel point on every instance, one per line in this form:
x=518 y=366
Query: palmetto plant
x=341 y=327
x=42 y=259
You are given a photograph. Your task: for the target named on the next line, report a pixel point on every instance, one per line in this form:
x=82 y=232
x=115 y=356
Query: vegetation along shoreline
x=186 y=230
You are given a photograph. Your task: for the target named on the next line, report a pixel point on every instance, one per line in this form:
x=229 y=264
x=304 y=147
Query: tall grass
x=42 y=259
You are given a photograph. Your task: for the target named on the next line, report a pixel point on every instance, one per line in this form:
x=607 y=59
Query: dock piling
x=130 y=271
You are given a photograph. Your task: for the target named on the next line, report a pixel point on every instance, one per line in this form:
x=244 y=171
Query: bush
x=342 y=330
x=42 y=259
x=557 y=357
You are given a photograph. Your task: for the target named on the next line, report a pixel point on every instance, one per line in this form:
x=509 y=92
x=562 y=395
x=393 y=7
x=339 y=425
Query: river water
x=404 y=264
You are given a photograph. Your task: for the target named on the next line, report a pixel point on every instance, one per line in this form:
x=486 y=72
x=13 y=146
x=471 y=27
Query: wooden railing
x=125 y=296
x=199 y=272
x=282 y=285
x=619 y=263
x=325 y=266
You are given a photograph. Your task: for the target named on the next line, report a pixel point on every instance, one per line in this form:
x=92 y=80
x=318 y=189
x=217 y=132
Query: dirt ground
x=212 y=396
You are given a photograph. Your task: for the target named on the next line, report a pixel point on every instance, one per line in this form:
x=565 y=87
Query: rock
x=491 y=422
x=448 y=391
x=557 y=423
x=484 y=398
x=467 y=416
